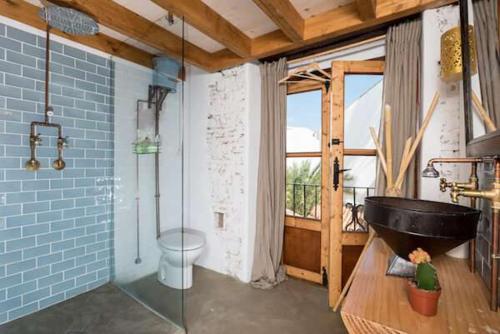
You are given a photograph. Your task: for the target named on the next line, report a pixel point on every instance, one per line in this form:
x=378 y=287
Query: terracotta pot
x=423 y=301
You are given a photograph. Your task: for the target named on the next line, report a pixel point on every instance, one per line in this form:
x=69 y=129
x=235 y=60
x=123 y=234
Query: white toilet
x=174 y=245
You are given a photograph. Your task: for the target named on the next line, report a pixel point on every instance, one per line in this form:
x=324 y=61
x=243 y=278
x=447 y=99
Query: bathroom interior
x=249 y=166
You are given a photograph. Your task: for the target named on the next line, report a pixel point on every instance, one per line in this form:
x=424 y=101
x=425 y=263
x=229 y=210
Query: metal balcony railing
x=304 y=200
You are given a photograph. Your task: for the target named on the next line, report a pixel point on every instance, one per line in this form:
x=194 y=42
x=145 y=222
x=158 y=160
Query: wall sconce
x=451 y=54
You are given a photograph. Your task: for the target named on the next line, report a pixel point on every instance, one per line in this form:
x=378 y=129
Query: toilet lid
x=173 y=241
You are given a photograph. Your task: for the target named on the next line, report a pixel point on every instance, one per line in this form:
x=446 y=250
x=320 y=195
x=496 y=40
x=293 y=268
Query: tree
x=303 y=182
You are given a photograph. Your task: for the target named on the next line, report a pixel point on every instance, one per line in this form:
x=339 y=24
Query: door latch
x=336 y=173
x=334 y=141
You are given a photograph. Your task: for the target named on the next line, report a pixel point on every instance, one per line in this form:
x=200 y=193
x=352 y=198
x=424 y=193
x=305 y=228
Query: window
x=303 y=163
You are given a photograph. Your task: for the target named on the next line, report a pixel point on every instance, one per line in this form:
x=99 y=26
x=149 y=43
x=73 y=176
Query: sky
x=304 y=109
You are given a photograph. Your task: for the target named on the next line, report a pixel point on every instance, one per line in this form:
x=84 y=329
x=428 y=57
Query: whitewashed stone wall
x=226 y=138
x=445 y=135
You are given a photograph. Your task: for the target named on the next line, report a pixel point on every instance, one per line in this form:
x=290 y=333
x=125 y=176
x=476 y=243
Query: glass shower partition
x=148 y=188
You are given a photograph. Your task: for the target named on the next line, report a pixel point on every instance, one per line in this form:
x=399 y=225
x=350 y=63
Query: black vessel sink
x=406 y=224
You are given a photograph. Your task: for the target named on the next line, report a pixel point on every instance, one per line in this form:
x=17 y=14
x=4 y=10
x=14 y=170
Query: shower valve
x=65 y=141
x=36 y=139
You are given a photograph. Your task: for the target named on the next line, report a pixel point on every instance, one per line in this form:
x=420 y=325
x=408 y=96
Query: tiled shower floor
x=106 y=310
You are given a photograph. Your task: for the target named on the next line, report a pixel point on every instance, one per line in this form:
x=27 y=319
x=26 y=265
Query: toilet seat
x=173 y=240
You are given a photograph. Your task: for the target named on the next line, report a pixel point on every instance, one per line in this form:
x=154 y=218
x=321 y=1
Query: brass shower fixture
x=72 y=22
x=471 y=185
x=35 y=140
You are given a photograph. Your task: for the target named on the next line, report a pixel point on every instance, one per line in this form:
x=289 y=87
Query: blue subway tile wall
x=55 y=227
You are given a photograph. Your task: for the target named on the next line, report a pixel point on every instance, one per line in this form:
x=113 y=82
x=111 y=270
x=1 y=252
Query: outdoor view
x=303 y=177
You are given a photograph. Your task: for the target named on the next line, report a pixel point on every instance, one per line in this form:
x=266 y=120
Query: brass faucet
x=456 y=187
x=472 y=184
x=465 y=189
x=492 y=194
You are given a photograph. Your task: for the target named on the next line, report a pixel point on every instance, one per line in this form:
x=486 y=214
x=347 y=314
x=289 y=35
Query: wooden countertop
x=378 y=304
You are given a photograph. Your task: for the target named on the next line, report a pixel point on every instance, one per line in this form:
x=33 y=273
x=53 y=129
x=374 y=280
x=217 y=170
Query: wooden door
x=306 y=240
x=352 y=162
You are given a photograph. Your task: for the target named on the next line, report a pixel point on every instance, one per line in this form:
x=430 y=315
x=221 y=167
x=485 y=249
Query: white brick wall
x=222 y=148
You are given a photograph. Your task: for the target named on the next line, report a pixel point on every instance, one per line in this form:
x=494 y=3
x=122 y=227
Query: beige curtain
x=488 y=54
x=401 y=92
x=267 y=270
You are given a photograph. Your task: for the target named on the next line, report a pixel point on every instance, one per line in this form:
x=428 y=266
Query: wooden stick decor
x=354 y=270
x=388 y=144
x=481 y=112
x=379 y=149
x=393 y=188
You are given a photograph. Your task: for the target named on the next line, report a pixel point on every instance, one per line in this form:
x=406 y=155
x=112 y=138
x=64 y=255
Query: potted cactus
x=424 y=290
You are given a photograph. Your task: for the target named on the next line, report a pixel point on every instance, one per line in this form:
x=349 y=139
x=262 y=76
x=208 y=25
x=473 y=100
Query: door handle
x=336 y=173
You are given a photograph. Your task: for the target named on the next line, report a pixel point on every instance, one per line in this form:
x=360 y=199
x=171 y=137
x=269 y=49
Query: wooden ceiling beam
x=367 y=9
x=335 y=23
x=23 y=12
x=344 y=20
x=286 y=17
x=119 y=18
x=209 y=22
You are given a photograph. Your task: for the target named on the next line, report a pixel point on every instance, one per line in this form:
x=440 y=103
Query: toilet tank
x=166 y=72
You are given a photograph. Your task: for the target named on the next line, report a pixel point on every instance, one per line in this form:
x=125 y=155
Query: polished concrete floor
x=216 y=304
x=219 y=304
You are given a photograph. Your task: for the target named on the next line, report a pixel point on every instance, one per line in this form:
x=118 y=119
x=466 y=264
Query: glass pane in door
x=363 y=105
x=303 y=122
x=303 y=187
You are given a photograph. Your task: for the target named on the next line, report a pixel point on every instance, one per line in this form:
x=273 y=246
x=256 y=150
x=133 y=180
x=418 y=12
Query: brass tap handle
x=443 y=184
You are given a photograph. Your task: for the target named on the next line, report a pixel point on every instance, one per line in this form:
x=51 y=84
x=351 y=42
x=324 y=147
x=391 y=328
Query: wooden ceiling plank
x=23 y=12
x=209 y=22
x=129 y=23
x=286 y=17
x=367 y=9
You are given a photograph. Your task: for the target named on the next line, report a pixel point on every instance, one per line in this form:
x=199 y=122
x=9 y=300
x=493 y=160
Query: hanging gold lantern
x=451 y=54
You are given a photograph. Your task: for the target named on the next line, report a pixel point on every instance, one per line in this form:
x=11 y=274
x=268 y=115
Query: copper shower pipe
x=453 y=160
x=47 y=74
x=495 y=256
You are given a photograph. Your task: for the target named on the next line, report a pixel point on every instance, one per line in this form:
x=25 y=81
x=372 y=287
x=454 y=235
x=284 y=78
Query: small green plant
x=426 y=275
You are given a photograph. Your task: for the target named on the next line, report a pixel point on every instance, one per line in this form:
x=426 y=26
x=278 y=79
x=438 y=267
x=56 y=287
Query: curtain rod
x=337 y=49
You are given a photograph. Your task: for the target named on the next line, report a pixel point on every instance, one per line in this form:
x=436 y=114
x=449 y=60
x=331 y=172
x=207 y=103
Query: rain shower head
x=69 y=20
